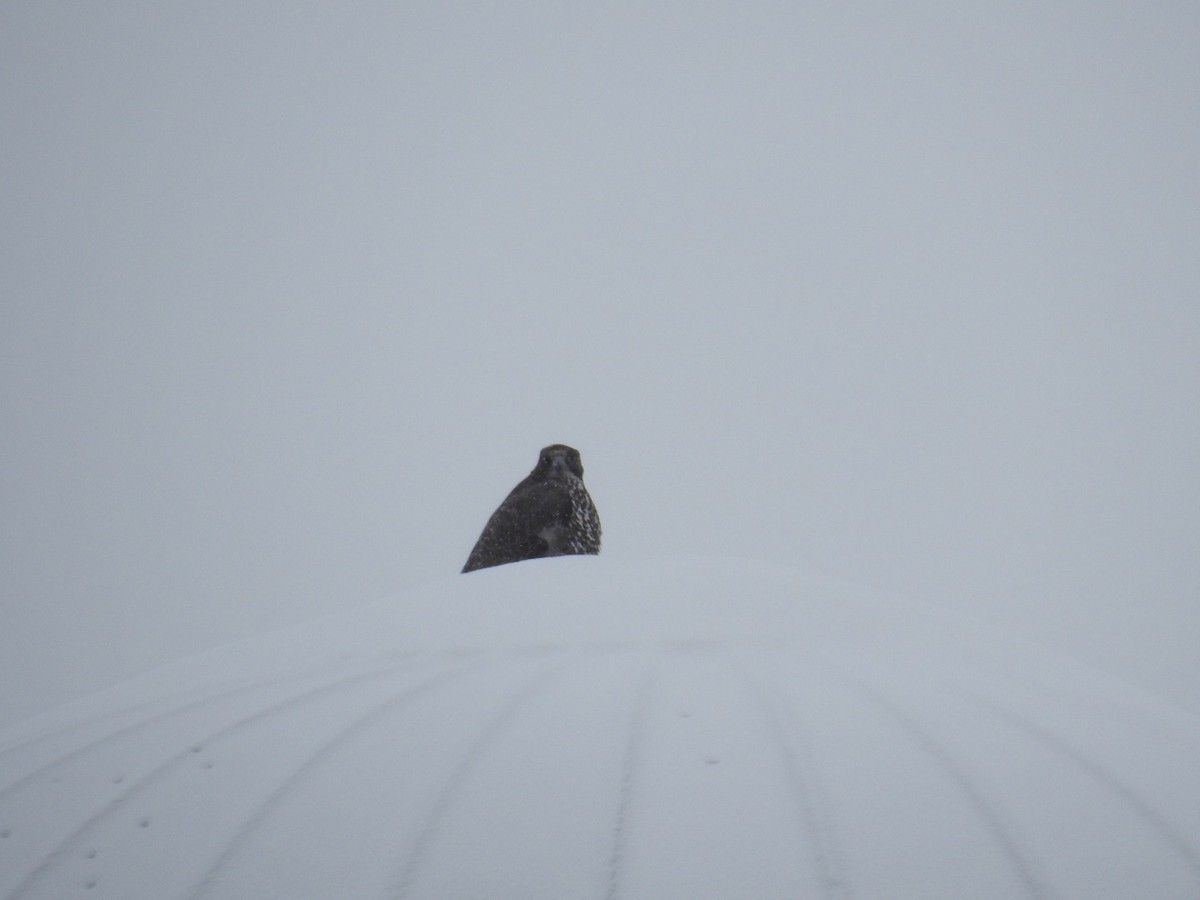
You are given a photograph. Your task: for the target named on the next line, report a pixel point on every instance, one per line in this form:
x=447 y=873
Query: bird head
x=560 y=461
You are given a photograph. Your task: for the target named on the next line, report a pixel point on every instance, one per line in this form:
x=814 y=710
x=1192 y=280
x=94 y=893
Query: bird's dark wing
x=517 y=529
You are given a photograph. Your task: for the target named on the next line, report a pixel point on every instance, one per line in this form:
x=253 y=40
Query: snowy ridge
x=584 y=728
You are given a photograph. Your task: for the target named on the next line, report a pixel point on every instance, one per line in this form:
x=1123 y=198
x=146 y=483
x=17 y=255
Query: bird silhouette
x=550 y=513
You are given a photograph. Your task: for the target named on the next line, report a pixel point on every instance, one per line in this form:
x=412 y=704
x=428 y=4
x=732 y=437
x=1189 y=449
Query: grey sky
x=294 y=293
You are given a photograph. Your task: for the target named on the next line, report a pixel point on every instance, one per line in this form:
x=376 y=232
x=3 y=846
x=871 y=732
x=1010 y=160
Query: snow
x=598 y=728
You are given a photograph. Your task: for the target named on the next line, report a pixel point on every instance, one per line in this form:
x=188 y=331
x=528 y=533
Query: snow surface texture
x=581 y=728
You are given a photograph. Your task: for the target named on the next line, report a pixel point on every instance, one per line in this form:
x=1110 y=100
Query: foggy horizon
x=294 y=295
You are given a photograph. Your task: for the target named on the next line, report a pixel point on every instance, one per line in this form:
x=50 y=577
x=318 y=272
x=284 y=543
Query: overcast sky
x=294 y=292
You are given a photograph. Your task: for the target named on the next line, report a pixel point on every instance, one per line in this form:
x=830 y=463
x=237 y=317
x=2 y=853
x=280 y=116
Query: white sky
x=294 y=293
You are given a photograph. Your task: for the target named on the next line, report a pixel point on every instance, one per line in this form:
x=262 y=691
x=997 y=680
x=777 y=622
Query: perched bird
x=550 y=513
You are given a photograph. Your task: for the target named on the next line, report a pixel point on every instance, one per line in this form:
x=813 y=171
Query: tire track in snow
x=415 y=859
x=21 y=743
x=1155 y=820
x=132 y=728
x=76 y=838
x=1106 y=779
x=1019 y=859
x=293 y=781
x=630 y=766
x=206 y=692
x=43 y=771
x=811 y=803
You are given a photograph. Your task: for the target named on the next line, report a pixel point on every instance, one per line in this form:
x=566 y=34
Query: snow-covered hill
x=586 y=728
